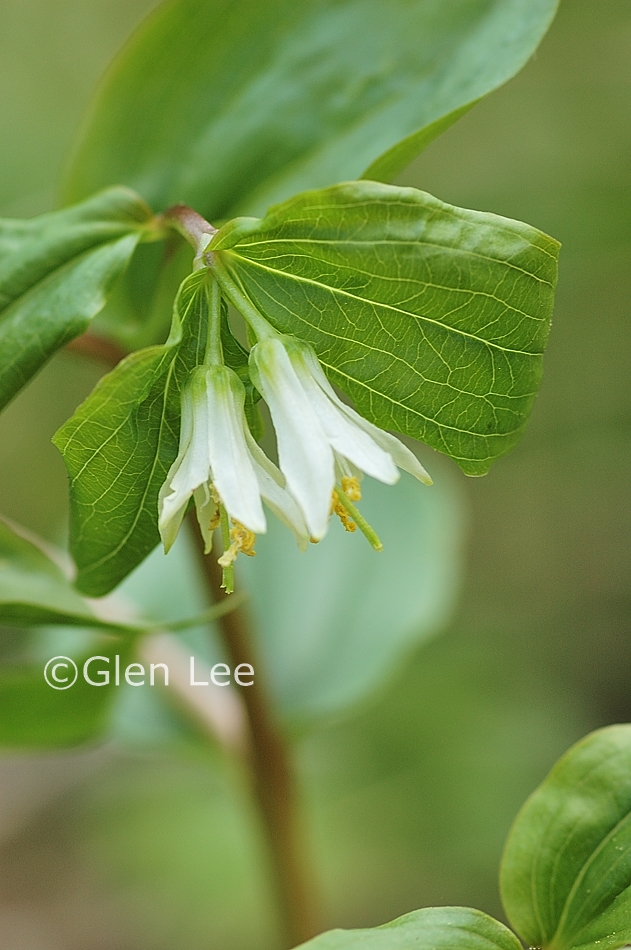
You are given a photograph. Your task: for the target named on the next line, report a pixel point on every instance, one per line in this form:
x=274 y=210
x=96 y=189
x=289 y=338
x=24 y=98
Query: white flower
x=317 y=434
x=219 y=462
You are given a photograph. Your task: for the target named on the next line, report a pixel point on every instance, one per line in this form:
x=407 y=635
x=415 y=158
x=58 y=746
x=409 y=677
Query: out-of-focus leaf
x=230 y=105
x=432 y=318
x=566 y=871
x=56 y=272
x=34 y=590
x=336 y=621
x=433 y=928
x=121 y=442
x=33 y=715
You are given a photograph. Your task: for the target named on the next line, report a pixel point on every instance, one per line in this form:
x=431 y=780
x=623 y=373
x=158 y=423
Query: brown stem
x=273 y=779
x=97 y=348
x=189 y=224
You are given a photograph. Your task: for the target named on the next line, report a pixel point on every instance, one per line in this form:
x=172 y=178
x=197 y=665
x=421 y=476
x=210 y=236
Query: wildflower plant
x=231 y=239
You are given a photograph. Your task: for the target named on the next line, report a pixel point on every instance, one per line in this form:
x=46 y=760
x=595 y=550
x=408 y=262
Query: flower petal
x=275 y=495
x=345 y=436
x=400 y=454
x=206 y=509
x=190 y=469
x=232 y=471
x=306 y=458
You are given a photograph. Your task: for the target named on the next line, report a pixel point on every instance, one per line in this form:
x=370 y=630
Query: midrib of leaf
x=559 y=855
x=581 y=876
x=405 y=243
x=422 y=318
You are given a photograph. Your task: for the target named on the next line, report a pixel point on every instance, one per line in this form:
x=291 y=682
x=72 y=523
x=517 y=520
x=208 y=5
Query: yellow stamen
x=338 y=509
x=242 y=541
x=350 y=487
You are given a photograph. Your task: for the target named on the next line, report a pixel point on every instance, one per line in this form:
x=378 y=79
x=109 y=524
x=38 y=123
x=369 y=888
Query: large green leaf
x=229 y=105
x=566 y=871
x=56 y=272
x=336 y=622
x=33 y=715
x=433 y=928
x=432 y=318
x=120 y=443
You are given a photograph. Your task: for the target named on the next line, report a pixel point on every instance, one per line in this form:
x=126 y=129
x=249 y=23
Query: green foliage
x=120 y=443
x=56 y=272
x=434 y=928
x=337 y=621
x=34 y=590
x=34 y=716
x=566 y=872
x=432 y=318
x=229 y=106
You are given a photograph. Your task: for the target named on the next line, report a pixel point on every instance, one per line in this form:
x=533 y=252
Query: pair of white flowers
x=322 y=444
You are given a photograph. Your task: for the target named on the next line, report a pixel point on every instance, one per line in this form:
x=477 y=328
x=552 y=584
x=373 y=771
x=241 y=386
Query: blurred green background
x=408 y=801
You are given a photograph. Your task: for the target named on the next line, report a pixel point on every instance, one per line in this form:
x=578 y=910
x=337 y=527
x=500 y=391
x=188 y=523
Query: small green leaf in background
x=33 y=715
x=120 y=443
x=433 y=928
x=56 y=272
x=566 y=871
x=432 y=318
x=228 y=106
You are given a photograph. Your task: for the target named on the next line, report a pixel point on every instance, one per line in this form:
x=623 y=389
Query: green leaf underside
x=120 y=443
x=35 y=716
x=56 y=272
x=433 y=928
x=432 y=318
x=254 y=101
x=566 y=871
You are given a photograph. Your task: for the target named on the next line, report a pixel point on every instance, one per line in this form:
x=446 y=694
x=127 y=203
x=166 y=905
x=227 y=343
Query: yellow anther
x=338 y=508
x=350 y=487
x=243 y=537
x=242 y=541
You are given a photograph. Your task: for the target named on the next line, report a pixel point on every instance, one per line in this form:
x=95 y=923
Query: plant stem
x=190 y=225
x=273 y=780
x=97 y=348
x=272 y=776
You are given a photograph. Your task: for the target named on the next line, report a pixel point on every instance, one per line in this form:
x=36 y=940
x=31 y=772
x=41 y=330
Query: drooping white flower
x=317 y=434
x=220 y=463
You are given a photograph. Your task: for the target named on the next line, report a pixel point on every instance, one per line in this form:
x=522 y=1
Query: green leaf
x=33 y=715
x=56 y=272
x=433 y=928
x=120 y=443
x=432 y=318
x=229 y=105
x=566 y=871
x=33 y=589
x=358 y=613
